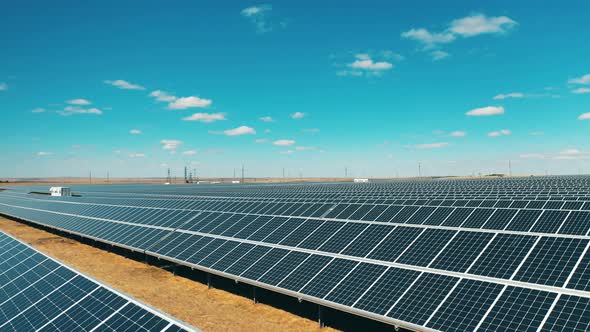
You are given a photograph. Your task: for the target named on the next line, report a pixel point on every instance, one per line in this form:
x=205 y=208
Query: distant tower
x=169 y=178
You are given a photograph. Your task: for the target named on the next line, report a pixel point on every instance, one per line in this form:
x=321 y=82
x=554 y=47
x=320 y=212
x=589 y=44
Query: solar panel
x=40 y=293
x=441 y=254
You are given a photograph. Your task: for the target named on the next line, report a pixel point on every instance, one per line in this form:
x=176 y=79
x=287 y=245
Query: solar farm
x=492 y=254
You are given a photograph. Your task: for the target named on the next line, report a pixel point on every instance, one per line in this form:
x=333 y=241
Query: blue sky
x=136 y=87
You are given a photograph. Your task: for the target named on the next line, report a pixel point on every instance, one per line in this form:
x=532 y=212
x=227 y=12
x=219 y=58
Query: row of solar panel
x=548 y=260
x=434 y=300
x=516 y=220
x=252 y=205
x=336 y=198
x=37 y=293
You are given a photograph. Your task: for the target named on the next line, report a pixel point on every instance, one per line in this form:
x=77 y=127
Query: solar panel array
x=38 y=293
x=450 y=255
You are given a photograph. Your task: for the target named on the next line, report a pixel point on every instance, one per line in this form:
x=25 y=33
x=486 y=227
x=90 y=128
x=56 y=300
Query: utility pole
x=345 y=172
x=108 y=179
x=234 y=173
x=283 y=172
x=242 y=173
x=419 y=170
x=509 y=167
x=90 y=177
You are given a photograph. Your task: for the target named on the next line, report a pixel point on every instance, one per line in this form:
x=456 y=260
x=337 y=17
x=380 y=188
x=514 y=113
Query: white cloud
x=284 y=142
x=364 y=62
x=585 y=116
x=261 y=140
x=439 y=55
x=170 y=144
x=581 y=90
x=287 y=152
x=349 y=73
x=304 y=148
x=3 y=86
x=571 y=152
x=267 y=119
x=465 y=27
x=267 y=131
x=162 y=96
x=121 y=84
x=136 y=155
x=580 y=80
x=480 y=24
x=70 y=110
x=430 y=146
x=188 y=102
x=391 y=55
x=532 y=156
x=458 y=133
x=486 y=111
x=135 y=131
x=503 y=132
x=298 y=115
x=205 y=117
x=509 y=95
x=254 y=10
x=189 y=152
x=79 y=102
x=39 y=110
x=428 y=38
x=536 y=133
x=44 y=154
x=259 y=16
x=364 y=65
x=242 y=130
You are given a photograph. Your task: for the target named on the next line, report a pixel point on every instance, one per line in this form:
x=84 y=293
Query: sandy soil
x=189 y=301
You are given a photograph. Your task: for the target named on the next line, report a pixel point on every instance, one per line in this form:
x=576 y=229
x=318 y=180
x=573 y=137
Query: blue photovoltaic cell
x=299 y=277
x=423 y=298
x=355 y=284
x=503 y=255
x=570 y=314
x=549 y=221
x=551 y=261
x=38 y=293
x=395 y=243
x=328 y=278
x=466 y=306
x=426 y=247
x=518 y=309
x=386 y=291
x=367 y=240
x=581 y=277
x=577 y=223
x=462 y=251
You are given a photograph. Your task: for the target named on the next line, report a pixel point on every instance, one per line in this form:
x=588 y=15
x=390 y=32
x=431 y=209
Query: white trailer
x=60 y=191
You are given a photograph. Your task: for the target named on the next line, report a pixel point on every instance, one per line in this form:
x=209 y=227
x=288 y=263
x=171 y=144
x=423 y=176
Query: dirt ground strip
x=187 y=300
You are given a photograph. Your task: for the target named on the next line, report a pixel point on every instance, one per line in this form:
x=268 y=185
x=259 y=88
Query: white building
x=60 y=191
x=361 y=180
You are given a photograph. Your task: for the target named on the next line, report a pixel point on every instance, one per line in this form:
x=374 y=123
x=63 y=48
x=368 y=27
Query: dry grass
x=189 y=301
